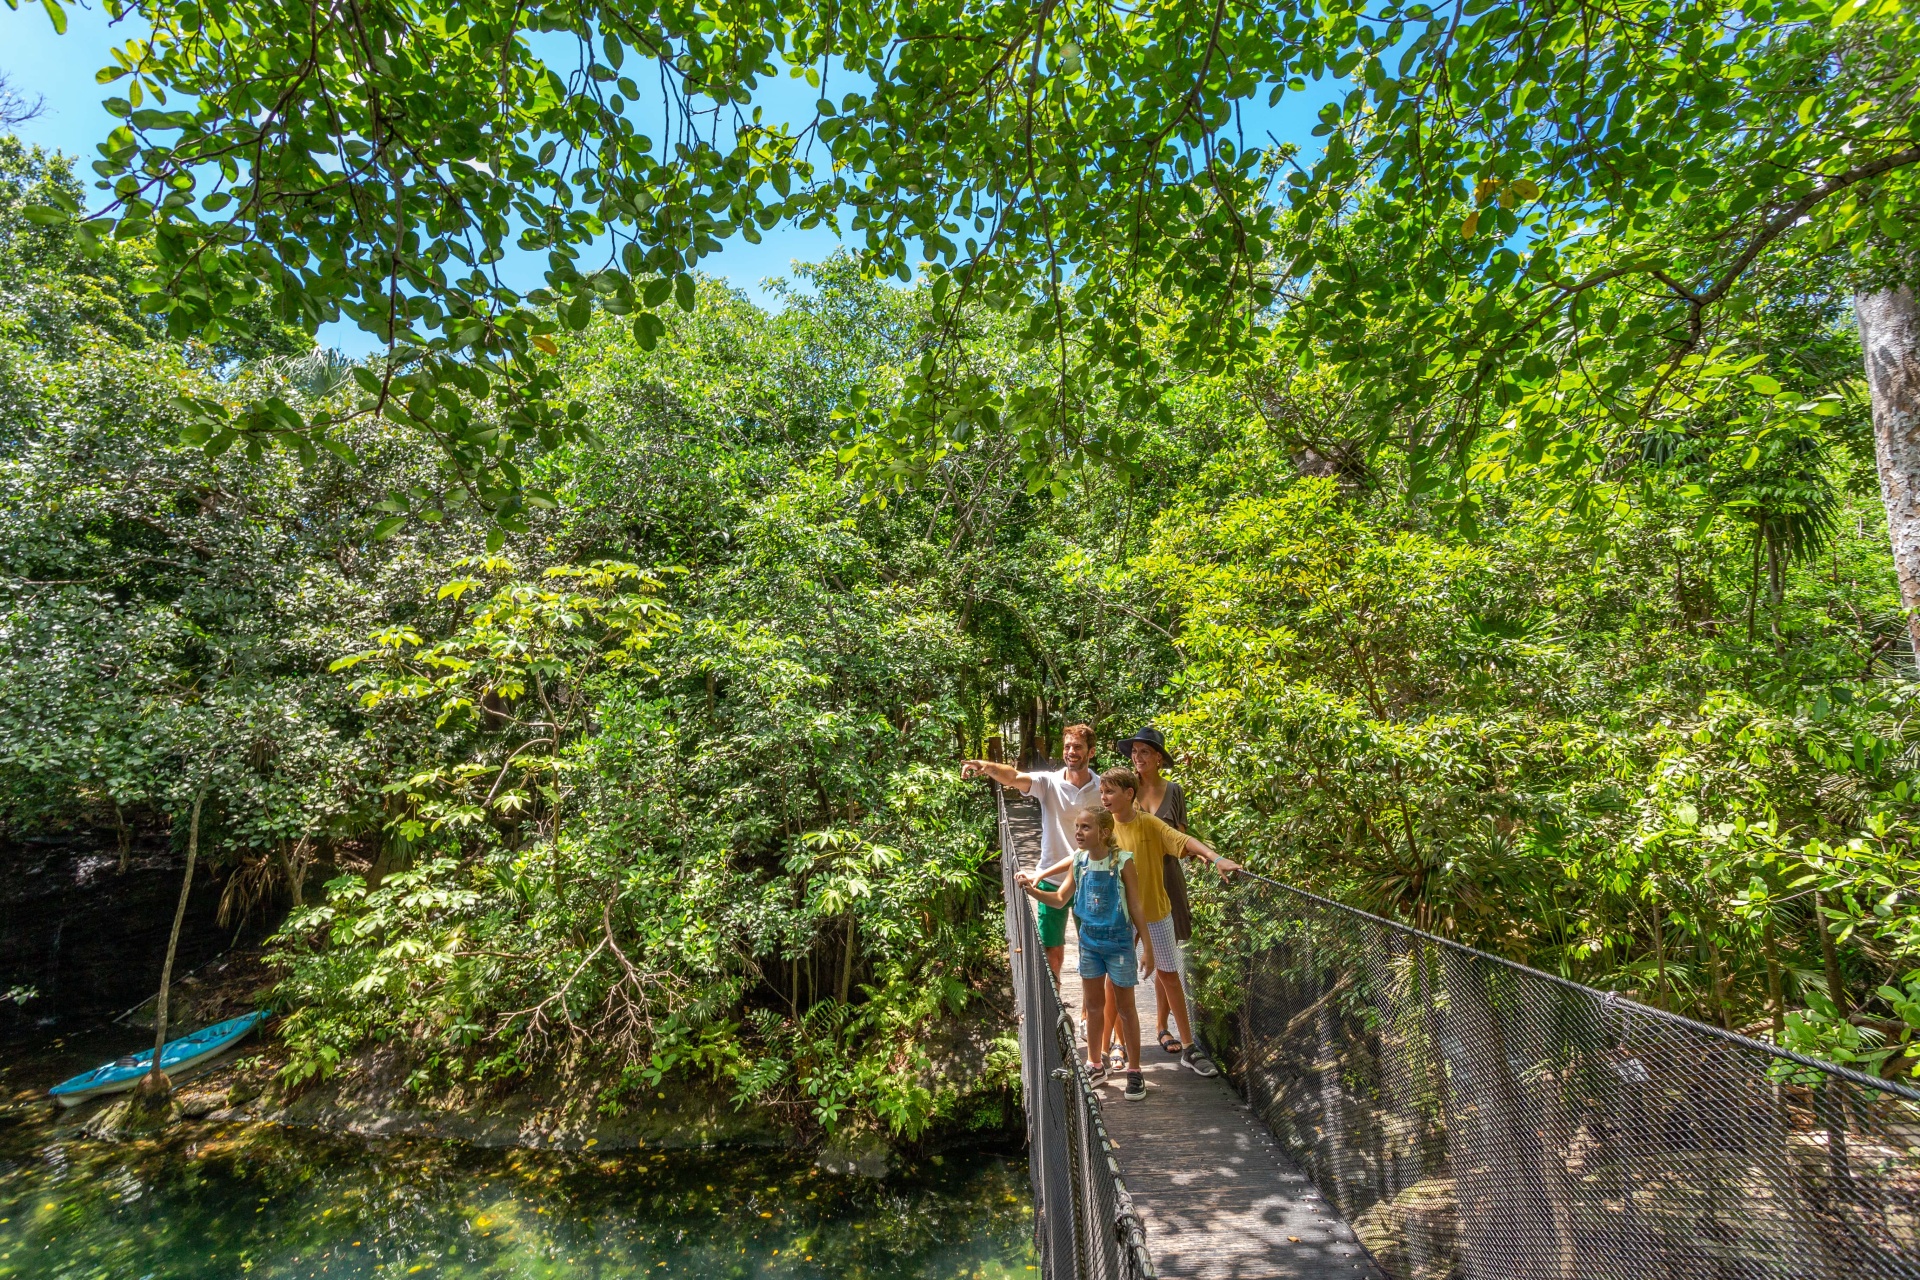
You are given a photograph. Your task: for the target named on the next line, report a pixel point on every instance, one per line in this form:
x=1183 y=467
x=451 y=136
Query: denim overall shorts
x=1106 y=934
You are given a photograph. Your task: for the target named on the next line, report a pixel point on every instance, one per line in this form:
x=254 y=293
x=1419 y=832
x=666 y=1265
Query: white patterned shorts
x=1166 y=951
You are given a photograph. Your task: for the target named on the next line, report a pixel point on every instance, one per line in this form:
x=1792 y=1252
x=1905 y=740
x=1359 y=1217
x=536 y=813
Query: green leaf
x=388 y=527
x=57 y=14
x=648 y=329
x=683 y=291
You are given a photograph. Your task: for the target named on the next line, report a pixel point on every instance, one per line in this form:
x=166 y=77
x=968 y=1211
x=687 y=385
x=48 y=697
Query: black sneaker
x=1136 y=1086
x=1096 y=1075
x=1198 y=1062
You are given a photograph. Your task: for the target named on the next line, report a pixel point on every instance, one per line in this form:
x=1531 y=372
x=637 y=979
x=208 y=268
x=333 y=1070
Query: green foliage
x=678 y=824
x=1571 y=246
x=523 y=664
x=520 y=817
x=1478 y=580
x=1524 y=219
x=1565 y=749
x=158 y=603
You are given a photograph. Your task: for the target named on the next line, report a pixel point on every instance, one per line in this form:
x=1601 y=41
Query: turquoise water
x=275 y=1203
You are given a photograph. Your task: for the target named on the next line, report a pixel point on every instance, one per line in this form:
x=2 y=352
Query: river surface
x=277 y=1203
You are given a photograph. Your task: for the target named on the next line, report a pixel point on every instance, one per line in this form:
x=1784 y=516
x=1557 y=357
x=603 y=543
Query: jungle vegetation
x=1494 y=508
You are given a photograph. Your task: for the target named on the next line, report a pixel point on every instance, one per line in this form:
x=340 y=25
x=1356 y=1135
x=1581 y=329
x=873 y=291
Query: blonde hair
x=1102 y=820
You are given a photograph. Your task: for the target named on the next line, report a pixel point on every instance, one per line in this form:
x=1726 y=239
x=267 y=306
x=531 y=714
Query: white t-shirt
x=1058 y=800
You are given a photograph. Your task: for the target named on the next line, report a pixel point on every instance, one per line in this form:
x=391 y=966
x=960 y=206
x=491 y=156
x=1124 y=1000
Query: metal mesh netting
x=1474 y=1118
x=1084 y=1224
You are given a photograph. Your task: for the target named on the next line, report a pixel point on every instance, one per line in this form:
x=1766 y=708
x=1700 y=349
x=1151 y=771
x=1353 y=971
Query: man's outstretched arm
x=1004 y=774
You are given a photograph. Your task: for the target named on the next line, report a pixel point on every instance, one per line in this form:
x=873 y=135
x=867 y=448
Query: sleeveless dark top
x=1173 y=812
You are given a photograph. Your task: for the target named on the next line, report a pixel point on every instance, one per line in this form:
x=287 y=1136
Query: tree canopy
x=1525 y=218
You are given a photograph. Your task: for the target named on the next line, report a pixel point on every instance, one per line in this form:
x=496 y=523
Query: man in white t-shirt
x=1061 y=794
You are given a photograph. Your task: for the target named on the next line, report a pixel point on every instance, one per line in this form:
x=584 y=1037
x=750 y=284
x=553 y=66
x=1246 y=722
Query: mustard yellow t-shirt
x=1151 y=842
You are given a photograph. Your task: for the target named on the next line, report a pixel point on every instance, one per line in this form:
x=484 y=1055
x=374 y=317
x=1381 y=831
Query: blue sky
x=60 y=69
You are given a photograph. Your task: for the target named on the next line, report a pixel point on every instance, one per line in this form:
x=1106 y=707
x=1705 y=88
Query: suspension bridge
x=1396 y=1106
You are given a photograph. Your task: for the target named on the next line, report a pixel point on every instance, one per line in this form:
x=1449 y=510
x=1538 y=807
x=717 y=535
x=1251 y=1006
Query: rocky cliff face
x=88 y=939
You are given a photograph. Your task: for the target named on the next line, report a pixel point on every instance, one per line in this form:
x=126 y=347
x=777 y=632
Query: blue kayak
x=176 y=1055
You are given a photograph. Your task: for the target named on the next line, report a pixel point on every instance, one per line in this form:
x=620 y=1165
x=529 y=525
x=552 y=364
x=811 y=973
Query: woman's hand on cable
x=1227 y=867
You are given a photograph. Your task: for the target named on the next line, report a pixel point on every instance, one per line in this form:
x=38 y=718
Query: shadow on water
x=210 y=1200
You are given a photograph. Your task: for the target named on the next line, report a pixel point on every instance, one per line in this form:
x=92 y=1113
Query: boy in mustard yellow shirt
x=1152 y=842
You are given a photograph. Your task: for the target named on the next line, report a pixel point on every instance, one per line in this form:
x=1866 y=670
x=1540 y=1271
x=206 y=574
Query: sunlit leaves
x=1643 y=165
x=1092 y=177
x=293 y=174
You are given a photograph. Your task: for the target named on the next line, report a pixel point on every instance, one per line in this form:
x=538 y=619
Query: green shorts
x=1052 y=920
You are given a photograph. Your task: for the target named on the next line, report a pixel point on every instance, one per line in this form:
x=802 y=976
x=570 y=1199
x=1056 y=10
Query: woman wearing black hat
x=1164 y=799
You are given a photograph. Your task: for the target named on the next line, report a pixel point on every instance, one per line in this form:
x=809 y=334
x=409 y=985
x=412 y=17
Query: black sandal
x=1168 y=1042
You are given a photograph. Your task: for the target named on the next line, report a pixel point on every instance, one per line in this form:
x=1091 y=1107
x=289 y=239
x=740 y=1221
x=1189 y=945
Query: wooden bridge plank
x=1220 y=1199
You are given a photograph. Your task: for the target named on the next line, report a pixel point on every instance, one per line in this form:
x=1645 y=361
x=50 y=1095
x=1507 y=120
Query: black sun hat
x=1149 y=735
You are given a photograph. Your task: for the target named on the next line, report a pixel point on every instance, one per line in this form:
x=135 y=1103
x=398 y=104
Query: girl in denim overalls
x=1105 y=892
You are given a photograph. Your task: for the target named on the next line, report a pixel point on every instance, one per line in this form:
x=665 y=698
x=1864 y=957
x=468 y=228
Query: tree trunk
x=1829 y=957
x=1890 y=344
x=297 y=860
x=1659 y=955
x=156 y=1081
x=1776 y=987
x=846 y=962
x=1717 y=973
x=1776 y=591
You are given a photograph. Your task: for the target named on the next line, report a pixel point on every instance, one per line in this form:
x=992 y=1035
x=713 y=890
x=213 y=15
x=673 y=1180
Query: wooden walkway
x=1221 y=1200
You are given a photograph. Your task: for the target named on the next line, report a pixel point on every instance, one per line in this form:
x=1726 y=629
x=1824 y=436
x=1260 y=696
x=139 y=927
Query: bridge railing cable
x=1475 y=1118
x=1085 y=1227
